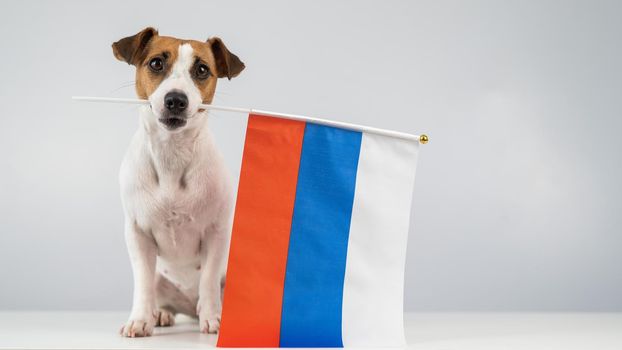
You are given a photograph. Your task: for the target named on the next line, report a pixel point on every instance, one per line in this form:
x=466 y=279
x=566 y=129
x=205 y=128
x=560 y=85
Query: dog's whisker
x=221 y=94
x=126 y=85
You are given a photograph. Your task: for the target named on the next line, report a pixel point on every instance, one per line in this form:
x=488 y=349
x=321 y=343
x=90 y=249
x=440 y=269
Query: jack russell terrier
x=176 y=193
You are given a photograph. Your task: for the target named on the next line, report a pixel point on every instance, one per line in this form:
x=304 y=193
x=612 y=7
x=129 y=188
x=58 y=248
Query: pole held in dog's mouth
x=422 y=138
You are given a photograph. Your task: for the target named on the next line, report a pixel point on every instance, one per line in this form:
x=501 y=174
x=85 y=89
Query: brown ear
x=227 y=64
x=132 y=48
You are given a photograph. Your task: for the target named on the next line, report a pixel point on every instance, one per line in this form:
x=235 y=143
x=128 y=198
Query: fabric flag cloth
x=319 y=237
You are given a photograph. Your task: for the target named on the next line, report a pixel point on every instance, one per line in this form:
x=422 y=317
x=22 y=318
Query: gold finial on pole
x=423 y=139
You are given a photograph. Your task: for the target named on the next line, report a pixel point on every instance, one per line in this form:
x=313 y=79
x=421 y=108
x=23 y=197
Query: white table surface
x=99 y=330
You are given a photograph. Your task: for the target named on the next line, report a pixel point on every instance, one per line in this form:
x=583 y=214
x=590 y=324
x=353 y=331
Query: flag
x=319 y=237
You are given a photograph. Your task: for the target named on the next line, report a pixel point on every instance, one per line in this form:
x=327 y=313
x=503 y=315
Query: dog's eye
x=156 y=64
x=202 y=71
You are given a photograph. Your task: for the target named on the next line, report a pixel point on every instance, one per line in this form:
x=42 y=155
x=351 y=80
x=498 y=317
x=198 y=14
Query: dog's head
x=176 y=75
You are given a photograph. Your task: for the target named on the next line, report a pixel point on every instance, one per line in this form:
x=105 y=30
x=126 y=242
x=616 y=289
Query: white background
x=517 y=197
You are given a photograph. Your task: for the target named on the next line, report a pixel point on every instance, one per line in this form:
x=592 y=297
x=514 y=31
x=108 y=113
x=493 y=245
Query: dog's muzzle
x=176 y=104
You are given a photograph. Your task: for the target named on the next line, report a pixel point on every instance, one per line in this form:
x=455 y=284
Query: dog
x=176 y=192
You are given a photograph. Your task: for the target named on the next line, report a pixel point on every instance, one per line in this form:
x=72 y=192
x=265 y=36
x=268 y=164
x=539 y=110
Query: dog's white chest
x=178 y=215
x=177 y=221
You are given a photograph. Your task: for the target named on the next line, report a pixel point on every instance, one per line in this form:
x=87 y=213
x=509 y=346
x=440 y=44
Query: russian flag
x=319 y=237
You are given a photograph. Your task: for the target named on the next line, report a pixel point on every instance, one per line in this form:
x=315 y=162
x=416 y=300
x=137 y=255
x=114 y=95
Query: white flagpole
x=419 y=138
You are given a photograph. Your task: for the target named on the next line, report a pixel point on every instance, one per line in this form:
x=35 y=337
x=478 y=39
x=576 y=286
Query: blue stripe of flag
x=313 y=290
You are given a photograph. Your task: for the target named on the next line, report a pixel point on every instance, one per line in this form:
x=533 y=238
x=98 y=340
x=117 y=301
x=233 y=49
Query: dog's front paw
x=137 y=328
x=209 y=317
x=165 y=319
x=209 y=325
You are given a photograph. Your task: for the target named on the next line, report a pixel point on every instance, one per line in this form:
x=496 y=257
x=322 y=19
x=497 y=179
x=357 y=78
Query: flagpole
x=423 y=139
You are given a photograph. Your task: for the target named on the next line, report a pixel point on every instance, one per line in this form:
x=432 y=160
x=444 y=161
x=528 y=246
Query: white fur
x=177 y=200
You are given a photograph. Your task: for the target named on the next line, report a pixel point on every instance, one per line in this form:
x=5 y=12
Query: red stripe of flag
x=253 y=297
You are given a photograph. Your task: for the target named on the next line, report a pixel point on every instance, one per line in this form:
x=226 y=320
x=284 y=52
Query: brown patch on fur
x=204 y=54
x=227 y=64
x=147 y=81
x=132 y=48
x=140 y=49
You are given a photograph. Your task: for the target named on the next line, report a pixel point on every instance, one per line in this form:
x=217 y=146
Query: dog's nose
x=176 y=102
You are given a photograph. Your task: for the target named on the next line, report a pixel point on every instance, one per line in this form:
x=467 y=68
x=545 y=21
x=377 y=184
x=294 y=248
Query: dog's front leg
x=214 y=250
x=143 y=251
